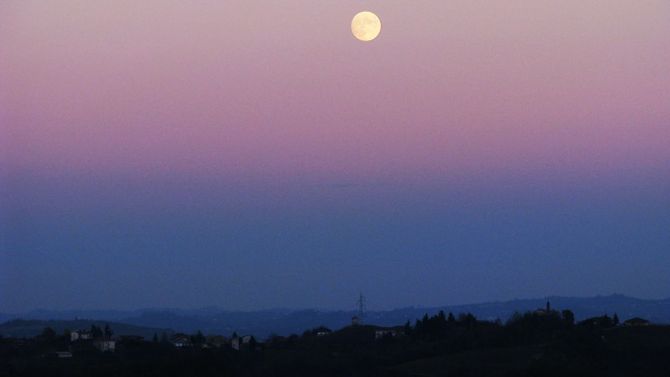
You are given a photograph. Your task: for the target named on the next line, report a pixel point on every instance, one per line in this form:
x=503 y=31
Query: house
x=319 y=331
x=388 y=333
x=216 y=341
x=602 y=321
x=131 y=339
x=60 y=355
x=181 y=341
x=324 y=332
x=105 y=345
x=636 y=322
x=80 y=335
x=243 y=342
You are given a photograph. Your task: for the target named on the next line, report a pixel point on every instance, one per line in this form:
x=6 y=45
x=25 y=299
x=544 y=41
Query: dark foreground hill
x=621 y=351
x=538 y=343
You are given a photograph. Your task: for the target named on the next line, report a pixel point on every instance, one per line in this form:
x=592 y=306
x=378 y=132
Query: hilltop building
x=544 y=311
x=80 y=335
x=216 y=341
x=105 y=345
x=239 y=343
x=388 y=333
x=636 y=322
x=181 y=341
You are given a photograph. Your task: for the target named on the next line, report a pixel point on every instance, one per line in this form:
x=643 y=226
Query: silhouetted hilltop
x=284 y=322
x=541 y=342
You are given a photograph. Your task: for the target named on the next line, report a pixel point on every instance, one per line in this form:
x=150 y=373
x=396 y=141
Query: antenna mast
x=361 y=305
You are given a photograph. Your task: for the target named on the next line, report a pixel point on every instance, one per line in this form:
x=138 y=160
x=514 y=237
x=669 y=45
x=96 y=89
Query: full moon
x=366 y=26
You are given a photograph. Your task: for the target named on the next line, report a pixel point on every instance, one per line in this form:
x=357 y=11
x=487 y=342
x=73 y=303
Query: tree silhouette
x=198 y=338
x=408 y=328
x=252 y=344
x=568 y=317
x=451 y=318
x=48 y=334
x=96 y=332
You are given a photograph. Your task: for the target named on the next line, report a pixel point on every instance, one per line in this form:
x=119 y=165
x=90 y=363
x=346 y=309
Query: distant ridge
x=283 y=322
x=26 y=328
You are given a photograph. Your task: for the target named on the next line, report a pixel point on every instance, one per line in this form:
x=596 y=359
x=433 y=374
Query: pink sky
x=495 y=149
x=247 y=89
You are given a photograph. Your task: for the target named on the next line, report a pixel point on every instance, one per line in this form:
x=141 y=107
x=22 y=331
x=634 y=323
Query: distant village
x=104 y=340
x=540 y=342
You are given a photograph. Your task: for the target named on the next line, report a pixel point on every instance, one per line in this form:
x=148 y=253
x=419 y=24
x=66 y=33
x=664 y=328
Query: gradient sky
x=253 y=154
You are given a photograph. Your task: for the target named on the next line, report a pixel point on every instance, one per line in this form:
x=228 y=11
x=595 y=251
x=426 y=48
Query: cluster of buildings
x=236 y=342
x=178 y=340
x=104 y=344
x=598 y=321
x=79 y=338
